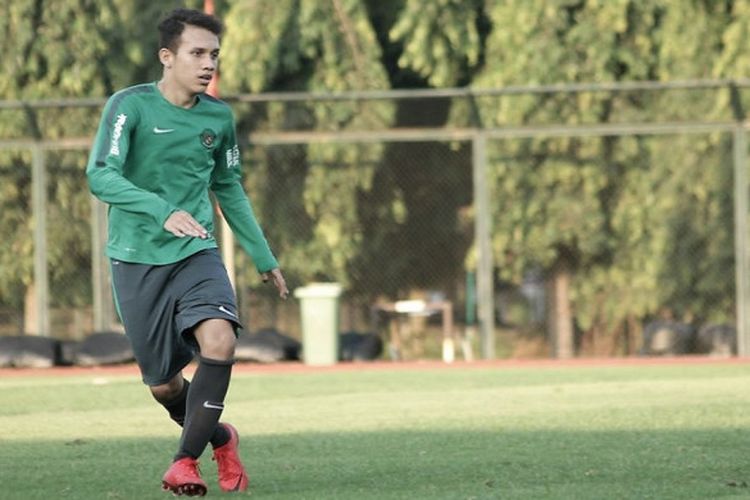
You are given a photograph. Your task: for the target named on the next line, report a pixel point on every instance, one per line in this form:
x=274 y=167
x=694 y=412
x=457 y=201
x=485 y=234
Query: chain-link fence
x=562 y=237
x=399 y=228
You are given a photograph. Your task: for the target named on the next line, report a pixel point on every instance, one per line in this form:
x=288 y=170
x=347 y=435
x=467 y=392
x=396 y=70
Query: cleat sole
x=189 y=489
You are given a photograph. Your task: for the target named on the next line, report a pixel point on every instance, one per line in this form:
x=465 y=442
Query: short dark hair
x=172 y=26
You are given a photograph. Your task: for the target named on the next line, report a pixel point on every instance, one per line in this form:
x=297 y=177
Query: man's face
x=196 y=59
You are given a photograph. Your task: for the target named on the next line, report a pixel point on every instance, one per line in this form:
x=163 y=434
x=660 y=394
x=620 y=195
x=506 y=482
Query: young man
x=159 y=149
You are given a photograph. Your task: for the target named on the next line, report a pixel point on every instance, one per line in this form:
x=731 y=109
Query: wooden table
x=417 y=308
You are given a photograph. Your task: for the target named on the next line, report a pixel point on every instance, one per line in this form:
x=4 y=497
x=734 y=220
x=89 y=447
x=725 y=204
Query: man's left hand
x=278 y=280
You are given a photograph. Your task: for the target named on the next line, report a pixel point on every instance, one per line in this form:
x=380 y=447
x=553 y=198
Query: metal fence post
x=483 y=237
x=39 y=211
x=740 y=238
x=103 y=301
x=227 y=251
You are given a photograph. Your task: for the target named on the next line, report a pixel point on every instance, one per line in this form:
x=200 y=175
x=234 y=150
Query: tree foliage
x=314 y=46
x=58 y=49
x=644 y=223
x=441 y=39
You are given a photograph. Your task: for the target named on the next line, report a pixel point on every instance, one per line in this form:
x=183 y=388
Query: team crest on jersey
x=208 y=138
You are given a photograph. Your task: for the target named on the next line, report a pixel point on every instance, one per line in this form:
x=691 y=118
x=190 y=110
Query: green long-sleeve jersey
x=151 y=158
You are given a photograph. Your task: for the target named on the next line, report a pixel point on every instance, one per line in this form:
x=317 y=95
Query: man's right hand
x=181 y=224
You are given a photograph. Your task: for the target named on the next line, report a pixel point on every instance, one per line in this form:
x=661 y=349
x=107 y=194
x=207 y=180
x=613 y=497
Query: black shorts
x=161 y=305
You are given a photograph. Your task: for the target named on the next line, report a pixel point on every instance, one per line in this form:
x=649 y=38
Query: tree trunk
x=560 y=319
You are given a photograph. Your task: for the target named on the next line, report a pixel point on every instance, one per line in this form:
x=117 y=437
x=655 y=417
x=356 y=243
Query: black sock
x=204 y=404
x=177 y=409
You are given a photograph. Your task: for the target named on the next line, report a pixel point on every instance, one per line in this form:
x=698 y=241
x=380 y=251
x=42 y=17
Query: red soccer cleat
x=232 y=475
x=184 y=478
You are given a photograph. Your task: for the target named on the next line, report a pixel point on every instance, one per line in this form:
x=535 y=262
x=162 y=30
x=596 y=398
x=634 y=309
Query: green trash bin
x=319 y=307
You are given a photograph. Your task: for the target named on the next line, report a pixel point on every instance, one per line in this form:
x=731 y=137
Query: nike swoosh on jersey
x=213 y=406
x=158 y=130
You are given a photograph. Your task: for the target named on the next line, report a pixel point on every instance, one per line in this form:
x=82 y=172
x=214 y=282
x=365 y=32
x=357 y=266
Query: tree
x=570 y=205
x=441 y=39
x=314 y=46
x=57 y=49
x=622 y=226
x=673 y=218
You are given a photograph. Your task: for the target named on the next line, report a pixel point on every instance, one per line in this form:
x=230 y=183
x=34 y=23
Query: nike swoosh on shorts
x=227 y=311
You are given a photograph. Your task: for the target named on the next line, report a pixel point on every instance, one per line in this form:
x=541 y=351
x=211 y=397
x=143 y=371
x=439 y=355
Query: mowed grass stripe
x=591 y=432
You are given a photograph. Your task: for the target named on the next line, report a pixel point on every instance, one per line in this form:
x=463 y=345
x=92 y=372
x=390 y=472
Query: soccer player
x=159 y=150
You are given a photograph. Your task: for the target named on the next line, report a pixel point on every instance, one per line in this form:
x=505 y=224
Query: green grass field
x=673 y=431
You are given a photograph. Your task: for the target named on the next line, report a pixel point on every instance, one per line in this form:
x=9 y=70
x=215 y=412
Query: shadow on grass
x=402 y=465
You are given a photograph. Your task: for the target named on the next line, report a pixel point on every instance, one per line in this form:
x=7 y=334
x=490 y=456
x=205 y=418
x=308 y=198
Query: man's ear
x=166 y=57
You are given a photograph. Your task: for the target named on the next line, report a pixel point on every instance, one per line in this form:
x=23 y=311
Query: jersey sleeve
x=236 y=207
x=107 y=159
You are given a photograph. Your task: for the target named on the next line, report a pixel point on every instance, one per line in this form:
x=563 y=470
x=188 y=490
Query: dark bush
x=29 y=351
x=267 y=346
x=356 y=346
x=103 y=348
x=668 y=338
